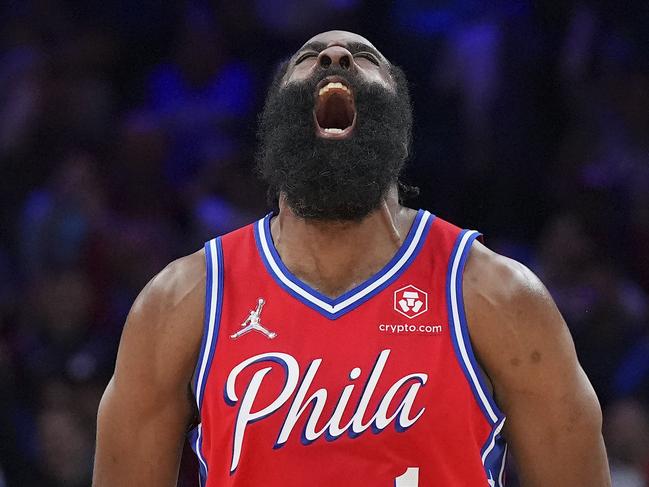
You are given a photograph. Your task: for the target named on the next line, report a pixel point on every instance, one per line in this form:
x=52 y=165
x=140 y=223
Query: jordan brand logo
x=252 y=323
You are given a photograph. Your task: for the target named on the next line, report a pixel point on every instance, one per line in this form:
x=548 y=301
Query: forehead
x=339 y=37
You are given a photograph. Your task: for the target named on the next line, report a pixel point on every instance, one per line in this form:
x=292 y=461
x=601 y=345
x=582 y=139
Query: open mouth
x=335 y=112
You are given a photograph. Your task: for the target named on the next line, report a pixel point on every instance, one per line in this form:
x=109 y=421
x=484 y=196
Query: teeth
x=334 y=131
x=332 y=86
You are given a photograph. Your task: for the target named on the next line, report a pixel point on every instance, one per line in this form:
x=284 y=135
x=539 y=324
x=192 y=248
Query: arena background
x=127 y=135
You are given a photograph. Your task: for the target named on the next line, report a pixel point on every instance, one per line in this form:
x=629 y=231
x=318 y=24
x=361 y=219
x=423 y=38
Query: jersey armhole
x=213 y=304
x=493 y=453
x=459 y=328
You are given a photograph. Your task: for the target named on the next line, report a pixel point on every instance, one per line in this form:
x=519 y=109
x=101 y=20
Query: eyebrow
x=353 y=47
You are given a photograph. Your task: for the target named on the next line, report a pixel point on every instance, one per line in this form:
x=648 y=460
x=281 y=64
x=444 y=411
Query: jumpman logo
x=252 y=323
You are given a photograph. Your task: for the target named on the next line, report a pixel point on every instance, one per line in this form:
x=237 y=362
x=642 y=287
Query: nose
x=336 y=55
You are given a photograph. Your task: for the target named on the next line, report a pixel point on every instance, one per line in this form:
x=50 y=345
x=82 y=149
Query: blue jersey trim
x=213 y=305
x=194 y=437
x=348 y=294
x=460 y=333
x=493 y=455
x=206 y=319
x=334 y=308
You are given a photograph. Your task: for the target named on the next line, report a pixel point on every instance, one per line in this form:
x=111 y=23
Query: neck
x=333 y=257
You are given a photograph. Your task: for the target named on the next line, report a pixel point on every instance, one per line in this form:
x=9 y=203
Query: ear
x=405 y=145
x=279 y=74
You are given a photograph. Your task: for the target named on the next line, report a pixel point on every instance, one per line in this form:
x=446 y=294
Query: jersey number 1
x=410 y=478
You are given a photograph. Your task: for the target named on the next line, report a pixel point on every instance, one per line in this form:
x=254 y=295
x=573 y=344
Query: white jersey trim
x=369 y=287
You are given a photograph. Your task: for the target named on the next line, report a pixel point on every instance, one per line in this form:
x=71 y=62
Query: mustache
x=353 y=78
x=303 y=92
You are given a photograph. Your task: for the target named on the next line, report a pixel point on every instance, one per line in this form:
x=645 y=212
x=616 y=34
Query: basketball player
x=347 y=340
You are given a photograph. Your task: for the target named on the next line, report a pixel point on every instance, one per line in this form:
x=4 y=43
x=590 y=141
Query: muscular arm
x=146 y=408
x=522 y=342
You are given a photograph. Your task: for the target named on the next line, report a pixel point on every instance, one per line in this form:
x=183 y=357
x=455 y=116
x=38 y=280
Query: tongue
x=334 y=112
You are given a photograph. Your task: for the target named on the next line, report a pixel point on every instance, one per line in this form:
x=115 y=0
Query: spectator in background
x=201 y=97
x=22 y=74
x=606 y=311
x=299 y=19
x=60 y=416
x=626 y=431
x=61 y=335
x=60 y=220
x=605 y=78
x=145 y=205
x=8 y=407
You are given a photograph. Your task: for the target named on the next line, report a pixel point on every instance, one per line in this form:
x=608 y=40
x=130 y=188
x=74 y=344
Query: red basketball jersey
x=378 y=387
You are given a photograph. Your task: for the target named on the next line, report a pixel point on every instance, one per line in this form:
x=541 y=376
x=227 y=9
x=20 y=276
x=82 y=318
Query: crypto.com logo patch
x=410 y=301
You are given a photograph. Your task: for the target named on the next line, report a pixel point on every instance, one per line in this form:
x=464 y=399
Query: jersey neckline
x=333 y=308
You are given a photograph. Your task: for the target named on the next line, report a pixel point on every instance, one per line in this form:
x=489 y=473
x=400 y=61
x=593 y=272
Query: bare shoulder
x=178 y=284
x=518 y=334
x=504 y=295
x=146 y=408
x=500 y=285
x=165 y=324
x=513 y=321
x=524 y=346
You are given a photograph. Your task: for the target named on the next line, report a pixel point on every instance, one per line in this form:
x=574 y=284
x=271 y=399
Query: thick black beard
x=334 y=179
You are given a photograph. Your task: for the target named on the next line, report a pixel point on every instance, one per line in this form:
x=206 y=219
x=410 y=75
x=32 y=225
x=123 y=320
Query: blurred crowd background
x=127 y=139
